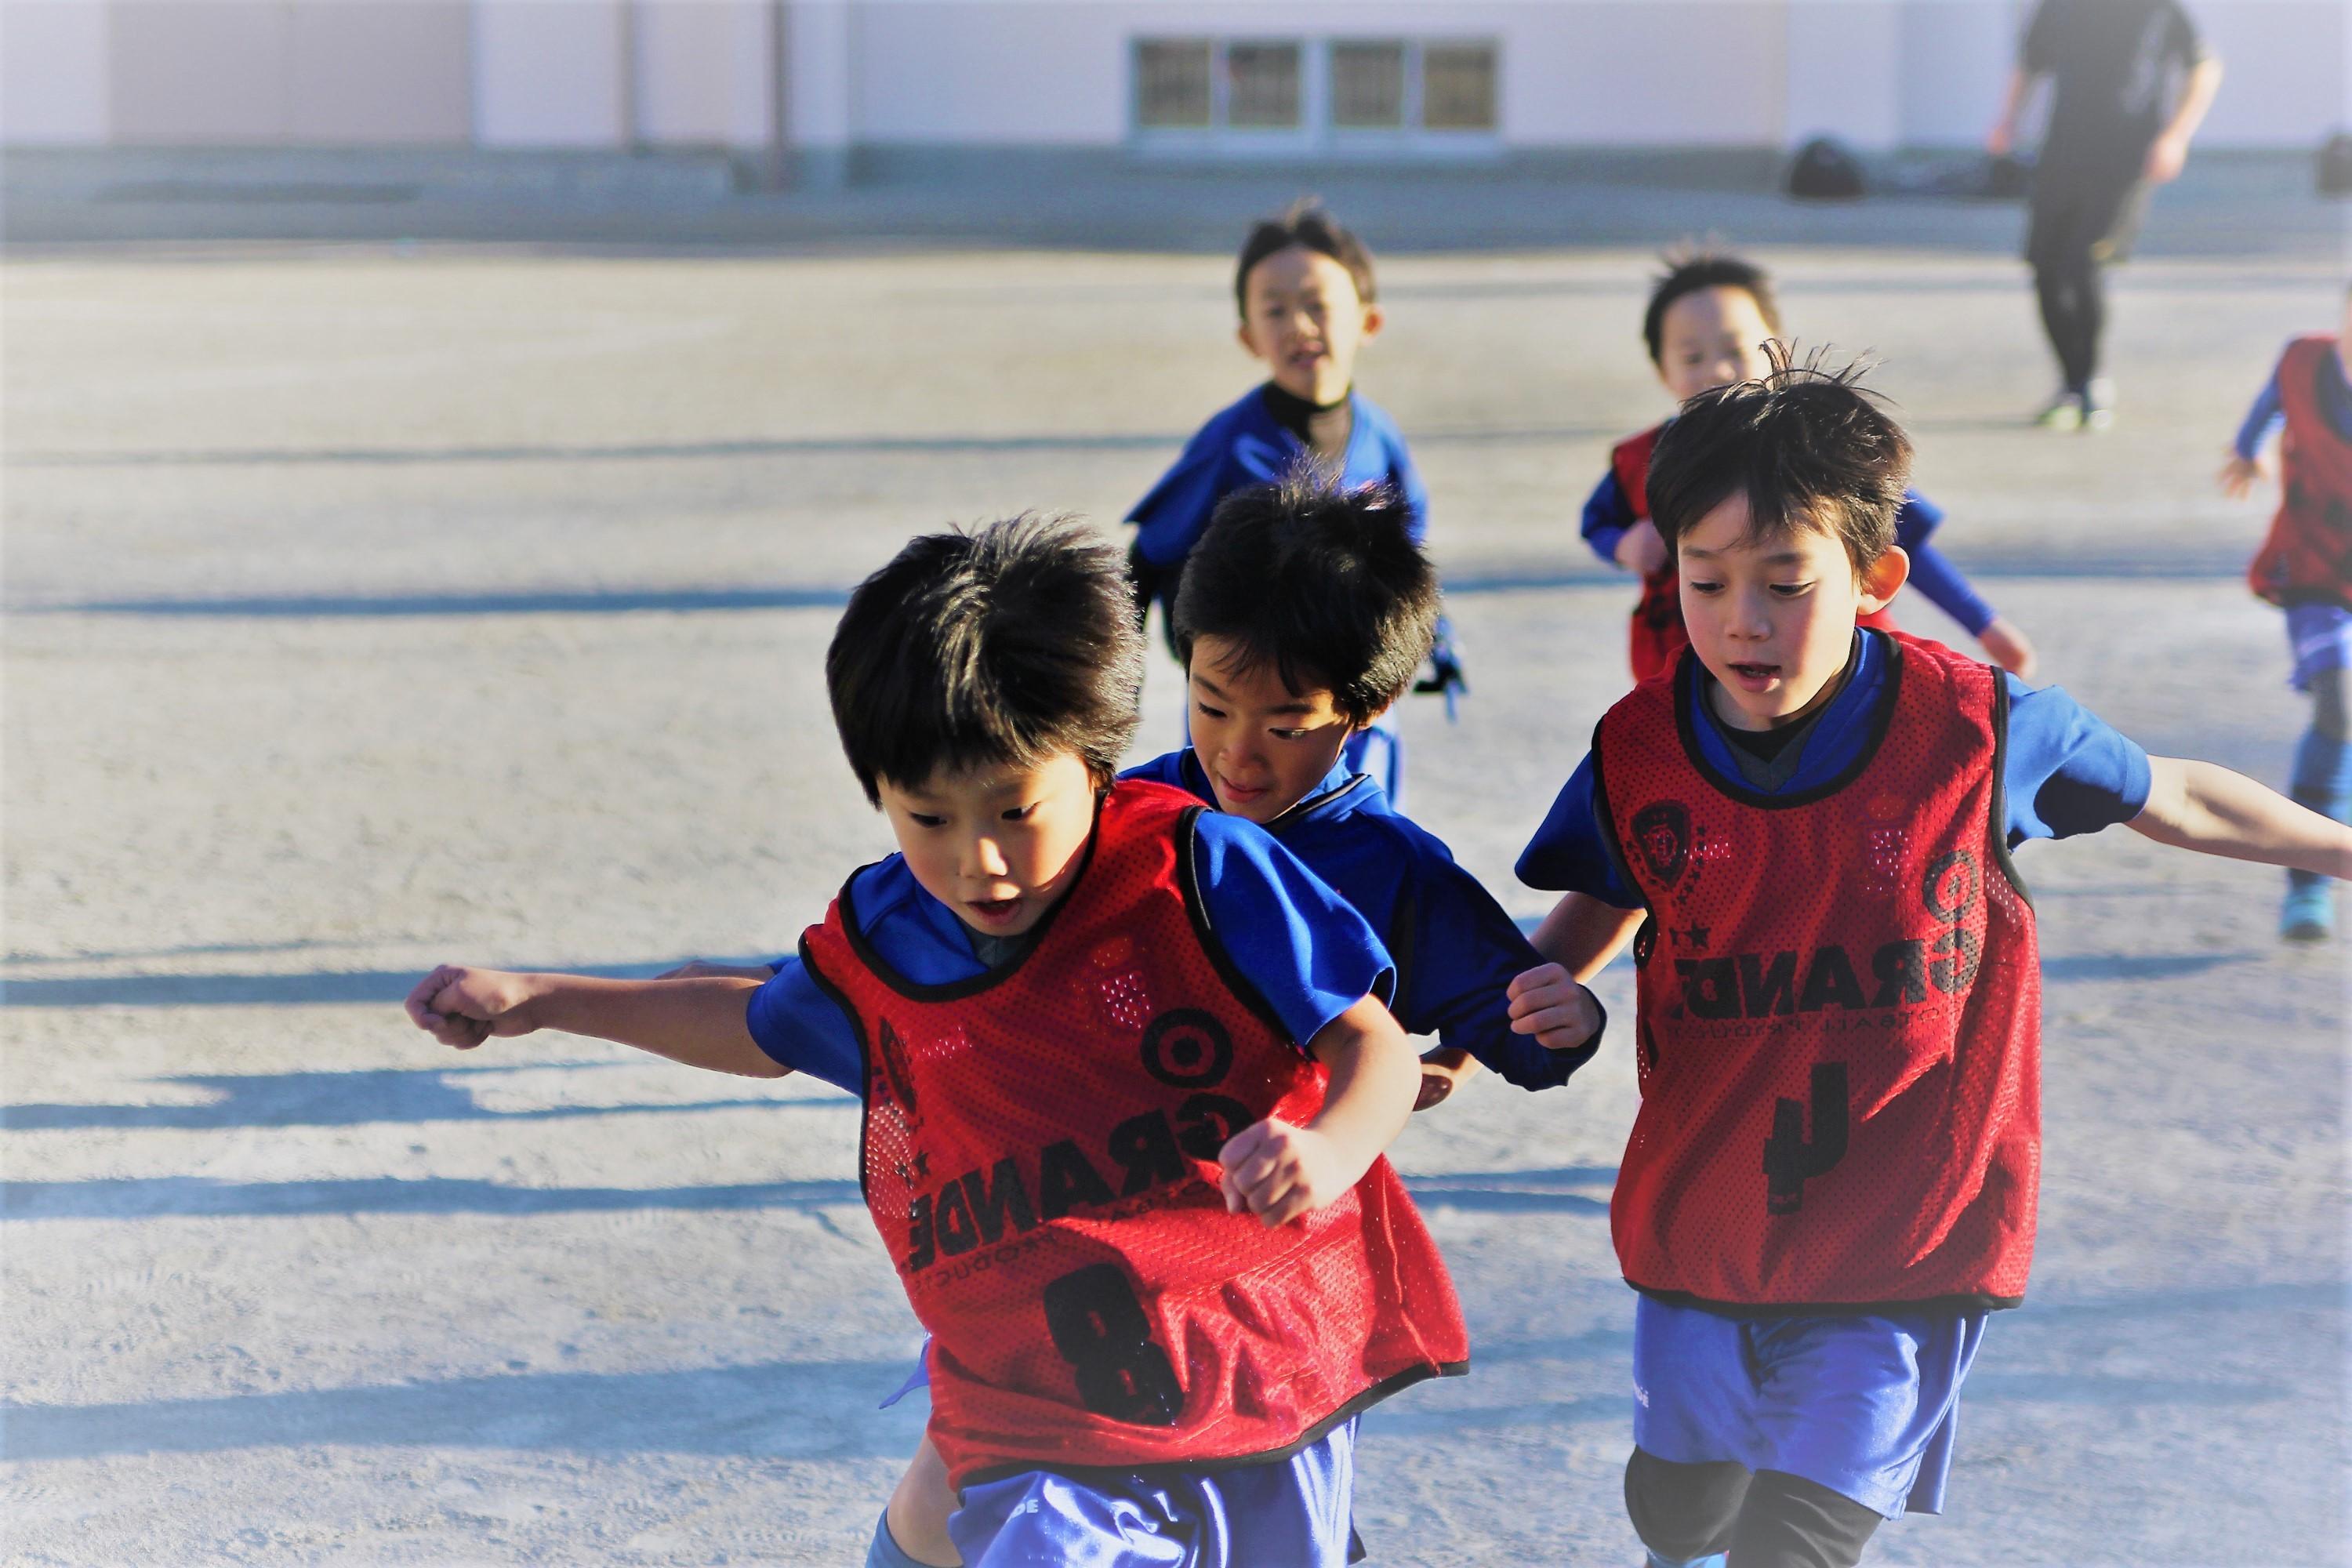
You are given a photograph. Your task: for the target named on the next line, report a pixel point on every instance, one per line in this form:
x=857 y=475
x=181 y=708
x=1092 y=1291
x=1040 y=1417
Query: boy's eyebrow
x=1778 y=558
x=1295 y=705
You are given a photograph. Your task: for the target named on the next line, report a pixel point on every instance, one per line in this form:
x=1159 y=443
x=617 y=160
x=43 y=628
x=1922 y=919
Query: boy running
x=1830 y=1181
x=1706 y=326
x=2305 y=567
x=1308 y=305
x=1125 y=1073
x=1306 y=608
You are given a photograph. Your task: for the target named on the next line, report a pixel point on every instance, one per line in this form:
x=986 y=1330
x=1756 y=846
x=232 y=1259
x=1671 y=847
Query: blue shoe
x=1718 y=1561
x=2309 y=914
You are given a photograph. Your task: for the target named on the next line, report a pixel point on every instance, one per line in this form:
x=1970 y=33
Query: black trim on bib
x=1997 y=814
x=1314 y=1435
x=840 y=999
x=1960 y=1302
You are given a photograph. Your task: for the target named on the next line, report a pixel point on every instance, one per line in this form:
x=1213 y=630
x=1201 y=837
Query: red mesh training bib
x=1839 y=1019
x=1657 y=632
x=2308 y=555
x=1039 y=1156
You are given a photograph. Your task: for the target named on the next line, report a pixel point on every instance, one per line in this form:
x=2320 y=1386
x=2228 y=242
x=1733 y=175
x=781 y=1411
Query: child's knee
x=1683 y=1511
x=917 y=1518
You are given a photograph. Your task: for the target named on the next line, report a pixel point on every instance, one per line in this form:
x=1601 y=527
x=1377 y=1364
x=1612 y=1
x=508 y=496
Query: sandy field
x=377 y=604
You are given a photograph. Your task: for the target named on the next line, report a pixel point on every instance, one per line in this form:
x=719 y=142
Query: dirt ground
x=376 y=604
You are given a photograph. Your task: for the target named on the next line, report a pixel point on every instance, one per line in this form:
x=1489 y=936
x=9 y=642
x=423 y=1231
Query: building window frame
x=1317 y=133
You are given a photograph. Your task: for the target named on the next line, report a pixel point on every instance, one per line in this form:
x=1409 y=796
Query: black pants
x=1767 y=1520
x=2081 y=221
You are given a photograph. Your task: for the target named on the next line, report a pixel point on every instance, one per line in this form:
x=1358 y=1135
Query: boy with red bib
x=1305 y=609
x=1126 y=1076
x=2305 y=567
x=1706 y=326
x=1830 y=1181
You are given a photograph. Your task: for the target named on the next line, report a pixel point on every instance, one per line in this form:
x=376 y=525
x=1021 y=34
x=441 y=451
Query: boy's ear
x=1249 y=345
x=1884 y=578
x=1374 y=319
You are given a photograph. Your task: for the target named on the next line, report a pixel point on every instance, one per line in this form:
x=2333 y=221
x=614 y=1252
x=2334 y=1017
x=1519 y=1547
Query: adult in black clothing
x=2132 y=81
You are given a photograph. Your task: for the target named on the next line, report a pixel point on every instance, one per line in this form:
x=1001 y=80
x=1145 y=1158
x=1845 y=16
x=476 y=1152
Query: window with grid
x=1172 y=83
x=1368 y=86
x=1366 y=91
x=1458 y=87
x=1262 y=86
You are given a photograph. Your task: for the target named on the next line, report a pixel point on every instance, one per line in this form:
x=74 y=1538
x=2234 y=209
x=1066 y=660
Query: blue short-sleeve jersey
x=1608 y=513
x=1244 y=444
x=1305 y=949
x=1456 y=951
x=2066 y=772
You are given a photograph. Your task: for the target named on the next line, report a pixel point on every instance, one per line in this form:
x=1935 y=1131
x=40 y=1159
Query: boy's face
x=1711 y=337
x=1301 y=315
x=1772 y=618
x=997 y=845
x=1263 y=745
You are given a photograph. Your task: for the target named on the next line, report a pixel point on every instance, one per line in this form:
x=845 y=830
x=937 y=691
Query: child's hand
x=2009 y=647
x=1279 y=1172
x=2238 y=475
x=1560 y=1014
x=463 y=1007
x=1443 y=1071
x=1641 y=551
x=703 y=969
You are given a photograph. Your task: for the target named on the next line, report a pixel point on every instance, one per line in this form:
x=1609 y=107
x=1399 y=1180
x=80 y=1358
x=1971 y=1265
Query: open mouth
x=993 y=911
x=1756 y=677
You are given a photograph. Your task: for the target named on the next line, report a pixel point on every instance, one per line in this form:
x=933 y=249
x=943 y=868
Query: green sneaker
x=2063 y=412
x=2309 y=914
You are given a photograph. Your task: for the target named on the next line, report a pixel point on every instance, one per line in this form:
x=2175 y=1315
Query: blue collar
x=1838 y=732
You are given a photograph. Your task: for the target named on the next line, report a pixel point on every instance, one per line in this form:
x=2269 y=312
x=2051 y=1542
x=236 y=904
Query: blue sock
x=884 y=1552
x=2323 y=781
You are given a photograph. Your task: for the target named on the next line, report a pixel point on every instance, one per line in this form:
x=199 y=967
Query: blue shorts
x=1865 y=1406
x=1291 y=1512
x=2321 y=638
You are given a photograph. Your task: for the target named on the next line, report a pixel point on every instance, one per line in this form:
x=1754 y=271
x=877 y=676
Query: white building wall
x=703 y=72
x=819 y=63
x=2285 y=78
x=1954 y=65
x=1053 y=73
x=549 y=73
x=53 y=78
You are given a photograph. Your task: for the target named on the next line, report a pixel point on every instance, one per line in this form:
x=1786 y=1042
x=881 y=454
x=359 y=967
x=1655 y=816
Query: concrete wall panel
x=53 y=73
x=1956 y=57
x=1845 y=59
x=2284 y=65
x=548 y=73
x=199 y=71
x=1702 y=73
x=380 y=72
x=702 y=72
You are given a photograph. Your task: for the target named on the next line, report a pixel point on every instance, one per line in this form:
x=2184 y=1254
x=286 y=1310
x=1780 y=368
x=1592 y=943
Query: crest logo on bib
x=1663 y=832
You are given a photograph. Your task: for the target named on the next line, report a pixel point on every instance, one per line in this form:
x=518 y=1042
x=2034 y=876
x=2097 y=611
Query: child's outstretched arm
x=2244 y=466
x=1582 y=935
x=1279 y=1172
x=2202 y=807
x=697 y=1022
